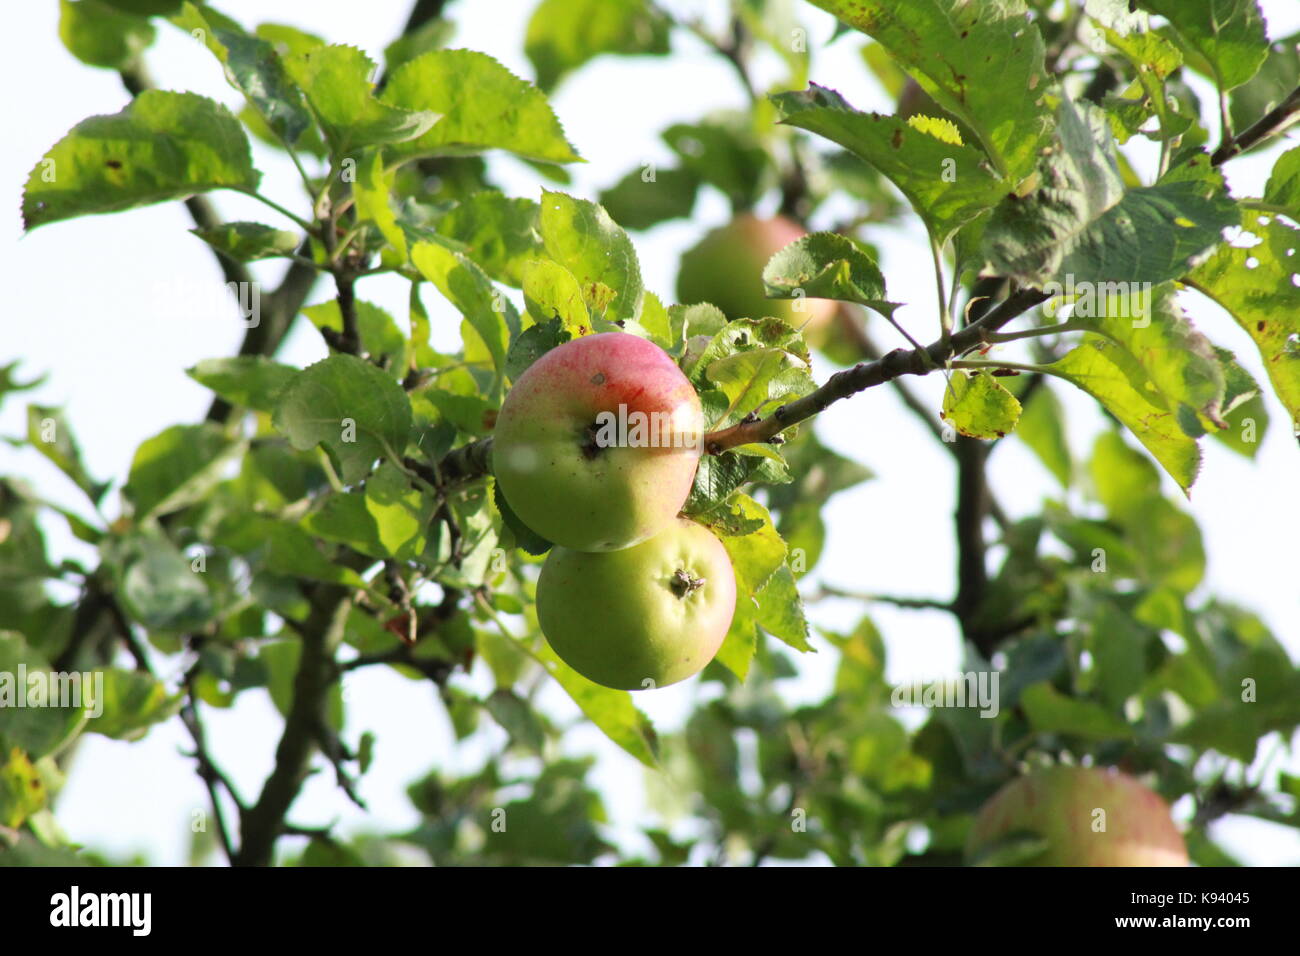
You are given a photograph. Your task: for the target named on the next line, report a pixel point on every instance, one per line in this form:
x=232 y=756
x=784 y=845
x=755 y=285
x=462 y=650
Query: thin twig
x=866 y=375
x=1270 y=124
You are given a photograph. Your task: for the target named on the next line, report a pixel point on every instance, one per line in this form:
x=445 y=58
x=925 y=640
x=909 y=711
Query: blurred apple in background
x=726 y=269
x=1061 y=806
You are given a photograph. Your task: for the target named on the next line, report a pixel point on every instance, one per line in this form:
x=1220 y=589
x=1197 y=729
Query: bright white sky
x=114 y=308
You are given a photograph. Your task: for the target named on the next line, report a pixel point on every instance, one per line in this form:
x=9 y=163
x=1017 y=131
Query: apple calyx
x=684 y=583
x=590 y=442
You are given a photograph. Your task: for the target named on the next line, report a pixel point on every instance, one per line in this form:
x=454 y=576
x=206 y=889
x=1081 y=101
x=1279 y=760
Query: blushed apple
x=596 y=445
x=644 y=617
x=1062 y=804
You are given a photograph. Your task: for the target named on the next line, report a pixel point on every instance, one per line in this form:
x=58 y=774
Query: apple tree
x=345 y=515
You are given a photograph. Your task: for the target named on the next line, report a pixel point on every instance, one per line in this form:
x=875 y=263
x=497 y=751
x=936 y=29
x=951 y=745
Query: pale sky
x=114 y=308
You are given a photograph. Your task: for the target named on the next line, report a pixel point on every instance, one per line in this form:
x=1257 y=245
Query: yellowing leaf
x=978 y=406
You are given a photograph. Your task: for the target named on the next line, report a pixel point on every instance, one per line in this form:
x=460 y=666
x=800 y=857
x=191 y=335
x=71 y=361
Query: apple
x=726 y=269
x=644 y=617
x=596 y=445
x=1060 y=804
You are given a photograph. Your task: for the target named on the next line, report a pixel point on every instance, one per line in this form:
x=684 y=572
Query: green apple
x=726 y=269
x=644 y=617
x=596 y=445
x=1088 y=817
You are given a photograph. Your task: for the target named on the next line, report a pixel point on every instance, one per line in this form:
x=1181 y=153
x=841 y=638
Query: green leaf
x=328 y=852
x=1283 y=187
x=336 y=82
x=1042 y=428
x=983 y=63
x=351 y=407
x=580 y=236
x=1243 y=407
x=489 y=313
x=287 y=40
x=177 y=467
x=757 y=555
x=826 y=266
x=1118 y=647
x=49 y=433
x=1258 y=287
x=1164 y=542
x=741 y=642
x=756 y=379
x=517 y=718
x=432 y=35
x=1153 y=58
x=1269 y=87
x=1108 y=373
x=133 y=702
x=524 y=537
x=97 y=34
x=253 y=67
x=371 y=192
x=8 y=383
x=1229 y=34
x=780 y=610
x=146 y=8
x=551 y=292
x=648 y=196
x=248 y=381
x=249 y=241
x=1122 y=479
x=564 y=34
x=387 y=520
x=610 y=710
x=1082 y=226
x=282 y=548
x=742 y=335
x=158 y=586
x=717 y=476
x=162 y=146
x=947 y=183
x=483 y=106
x=1050 y=711
x=22 y=791
x=36 y=730
x=725 y=153
x=979 y=406
x=534 y=342
x=1179 y=362
x=498 y=232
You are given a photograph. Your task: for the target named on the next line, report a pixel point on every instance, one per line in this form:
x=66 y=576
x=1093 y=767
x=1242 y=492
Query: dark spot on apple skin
x=589 y=445
x=112 y=164
x=598 y=378
x=1260 y=325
